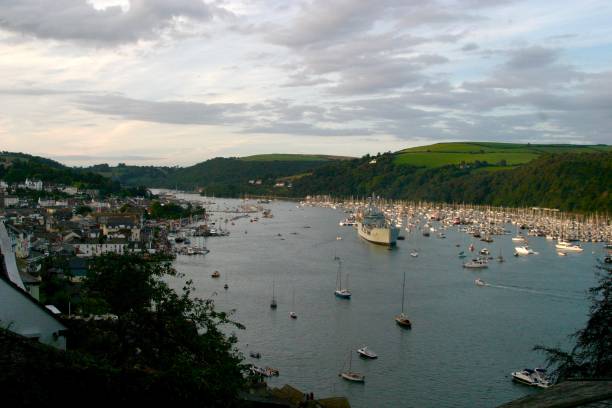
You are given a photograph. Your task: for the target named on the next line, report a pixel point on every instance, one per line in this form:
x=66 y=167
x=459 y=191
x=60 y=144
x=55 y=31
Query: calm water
x=465 y=339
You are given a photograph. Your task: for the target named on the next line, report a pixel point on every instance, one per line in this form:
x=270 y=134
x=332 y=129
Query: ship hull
x=379 y=236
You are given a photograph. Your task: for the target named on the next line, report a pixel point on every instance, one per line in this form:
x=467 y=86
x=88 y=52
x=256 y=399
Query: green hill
x=511 y=154
x=568 y=181
x=220 y=176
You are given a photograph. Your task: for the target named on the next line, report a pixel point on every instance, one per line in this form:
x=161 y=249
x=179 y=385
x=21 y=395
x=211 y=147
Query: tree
x=175 y=336
x=591 y=357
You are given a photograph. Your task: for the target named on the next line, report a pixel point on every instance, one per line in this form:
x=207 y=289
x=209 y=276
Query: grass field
x=441 y=154
x=293 y=157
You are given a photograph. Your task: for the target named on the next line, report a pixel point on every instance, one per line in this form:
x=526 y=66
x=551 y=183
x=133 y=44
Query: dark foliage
x=591 y=357
x=174 y=336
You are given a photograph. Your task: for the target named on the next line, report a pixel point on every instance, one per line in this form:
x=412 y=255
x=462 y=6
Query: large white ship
x=372 y=226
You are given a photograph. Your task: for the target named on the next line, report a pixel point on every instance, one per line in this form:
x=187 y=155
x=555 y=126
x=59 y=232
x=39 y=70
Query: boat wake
x=534 y=291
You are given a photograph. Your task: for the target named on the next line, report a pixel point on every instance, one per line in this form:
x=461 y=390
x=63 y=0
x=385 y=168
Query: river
x=465 y=340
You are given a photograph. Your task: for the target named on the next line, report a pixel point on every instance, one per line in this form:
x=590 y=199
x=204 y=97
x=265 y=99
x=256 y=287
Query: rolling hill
x=505 y=154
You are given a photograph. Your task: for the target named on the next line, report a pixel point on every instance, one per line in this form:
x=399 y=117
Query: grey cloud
x=306 y=129
x=175 y=112
x=469 y=47
x=532 y=57
x=79 y=20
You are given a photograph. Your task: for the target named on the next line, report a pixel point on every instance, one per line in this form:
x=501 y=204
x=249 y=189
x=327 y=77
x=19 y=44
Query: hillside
x=16 y=167
x=220 y=176
x=570 y=181
x=294 y=157
x=506 y=154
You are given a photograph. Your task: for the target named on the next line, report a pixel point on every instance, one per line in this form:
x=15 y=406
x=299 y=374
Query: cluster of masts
x=485 y=220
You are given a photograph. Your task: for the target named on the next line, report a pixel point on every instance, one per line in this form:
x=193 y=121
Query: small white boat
x=524 y=250
x=480 y=282
x=365 y=352
x=561 y=253
x=414 y=254
x=568 y=247
x=476 y=264
x=535 y=377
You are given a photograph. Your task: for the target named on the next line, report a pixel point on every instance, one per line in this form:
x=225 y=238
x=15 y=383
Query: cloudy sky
x=175 y=82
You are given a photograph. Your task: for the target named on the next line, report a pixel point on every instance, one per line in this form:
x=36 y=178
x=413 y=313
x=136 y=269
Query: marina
x=462 y=336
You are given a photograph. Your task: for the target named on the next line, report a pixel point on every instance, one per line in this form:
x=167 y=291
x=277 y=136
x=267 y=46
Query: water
x=465 y=339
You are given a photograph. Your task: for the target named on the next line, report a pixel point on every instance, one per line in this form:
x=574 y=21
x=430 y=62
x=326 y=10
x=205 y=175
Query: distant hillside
x=220 y=176
x=569 y=181
x=16 y=167
x=506 y=154
x=294 y=157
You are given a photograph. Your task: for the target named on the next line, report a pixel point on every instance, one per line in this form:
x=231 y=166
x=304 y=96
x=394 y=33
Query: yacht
x=535 y=377
x=351 y=375
x=343 y=293
x=523 y=250
x=477 y=263
x=568 y=247
x=365 y=352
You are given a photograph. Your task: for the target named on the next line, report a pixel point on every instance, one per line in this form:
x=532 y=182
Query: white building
x=33 y=184
x=88 y=249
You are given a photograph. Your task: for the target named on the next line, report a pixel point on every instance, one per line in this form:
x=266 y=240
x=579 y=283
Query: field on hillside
x=441 y=154
x=293 y=157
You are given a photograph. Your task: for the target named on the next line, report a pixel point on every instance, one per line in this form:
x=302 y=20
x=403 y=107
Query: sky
x=176 y=82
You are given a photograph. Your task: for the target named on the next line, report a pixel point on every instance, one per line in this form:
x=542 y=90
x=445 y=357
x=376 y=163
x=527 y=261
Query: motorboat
x=480 y=282
x=561 y=253
x=477 y=263
x=215 y=274
x=414 y=254
x=485 y=251
x=568 y=247
x=255 y=354
x=365 y=352
x=293 y=315
x=524 y=250
x=534 y=377
x=265 y=372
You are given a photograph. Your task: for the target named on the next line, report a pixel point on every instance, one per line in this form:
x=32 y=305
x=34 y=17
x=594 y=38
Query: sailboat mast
x=403 y=291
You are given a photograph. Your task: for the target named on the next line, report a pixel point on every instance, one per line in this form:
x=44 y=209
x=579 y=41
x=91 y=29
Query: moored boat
x=365 y=352
x=534 y=377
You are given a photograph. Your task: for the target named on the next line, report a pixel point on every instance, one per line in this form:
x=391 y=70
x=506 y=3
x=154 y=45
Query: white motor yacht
x=476 y=264
x=535 y=377
x=523 y=250
x=568 y=247
x=365 y=352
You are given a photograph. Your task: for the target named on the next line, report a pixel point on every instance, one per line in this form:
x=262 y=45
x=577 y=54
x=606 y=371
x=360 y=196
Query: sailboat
x=401 y=319
x=292 y=314
x=339 y=292
x=500 y=258
x=350 y=375
x=273 y=303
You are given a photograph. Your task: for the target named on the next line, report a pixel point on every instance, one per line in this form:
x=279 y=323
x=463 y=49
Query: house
x=33 y=185
x=19 y=311
x=89 y=248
